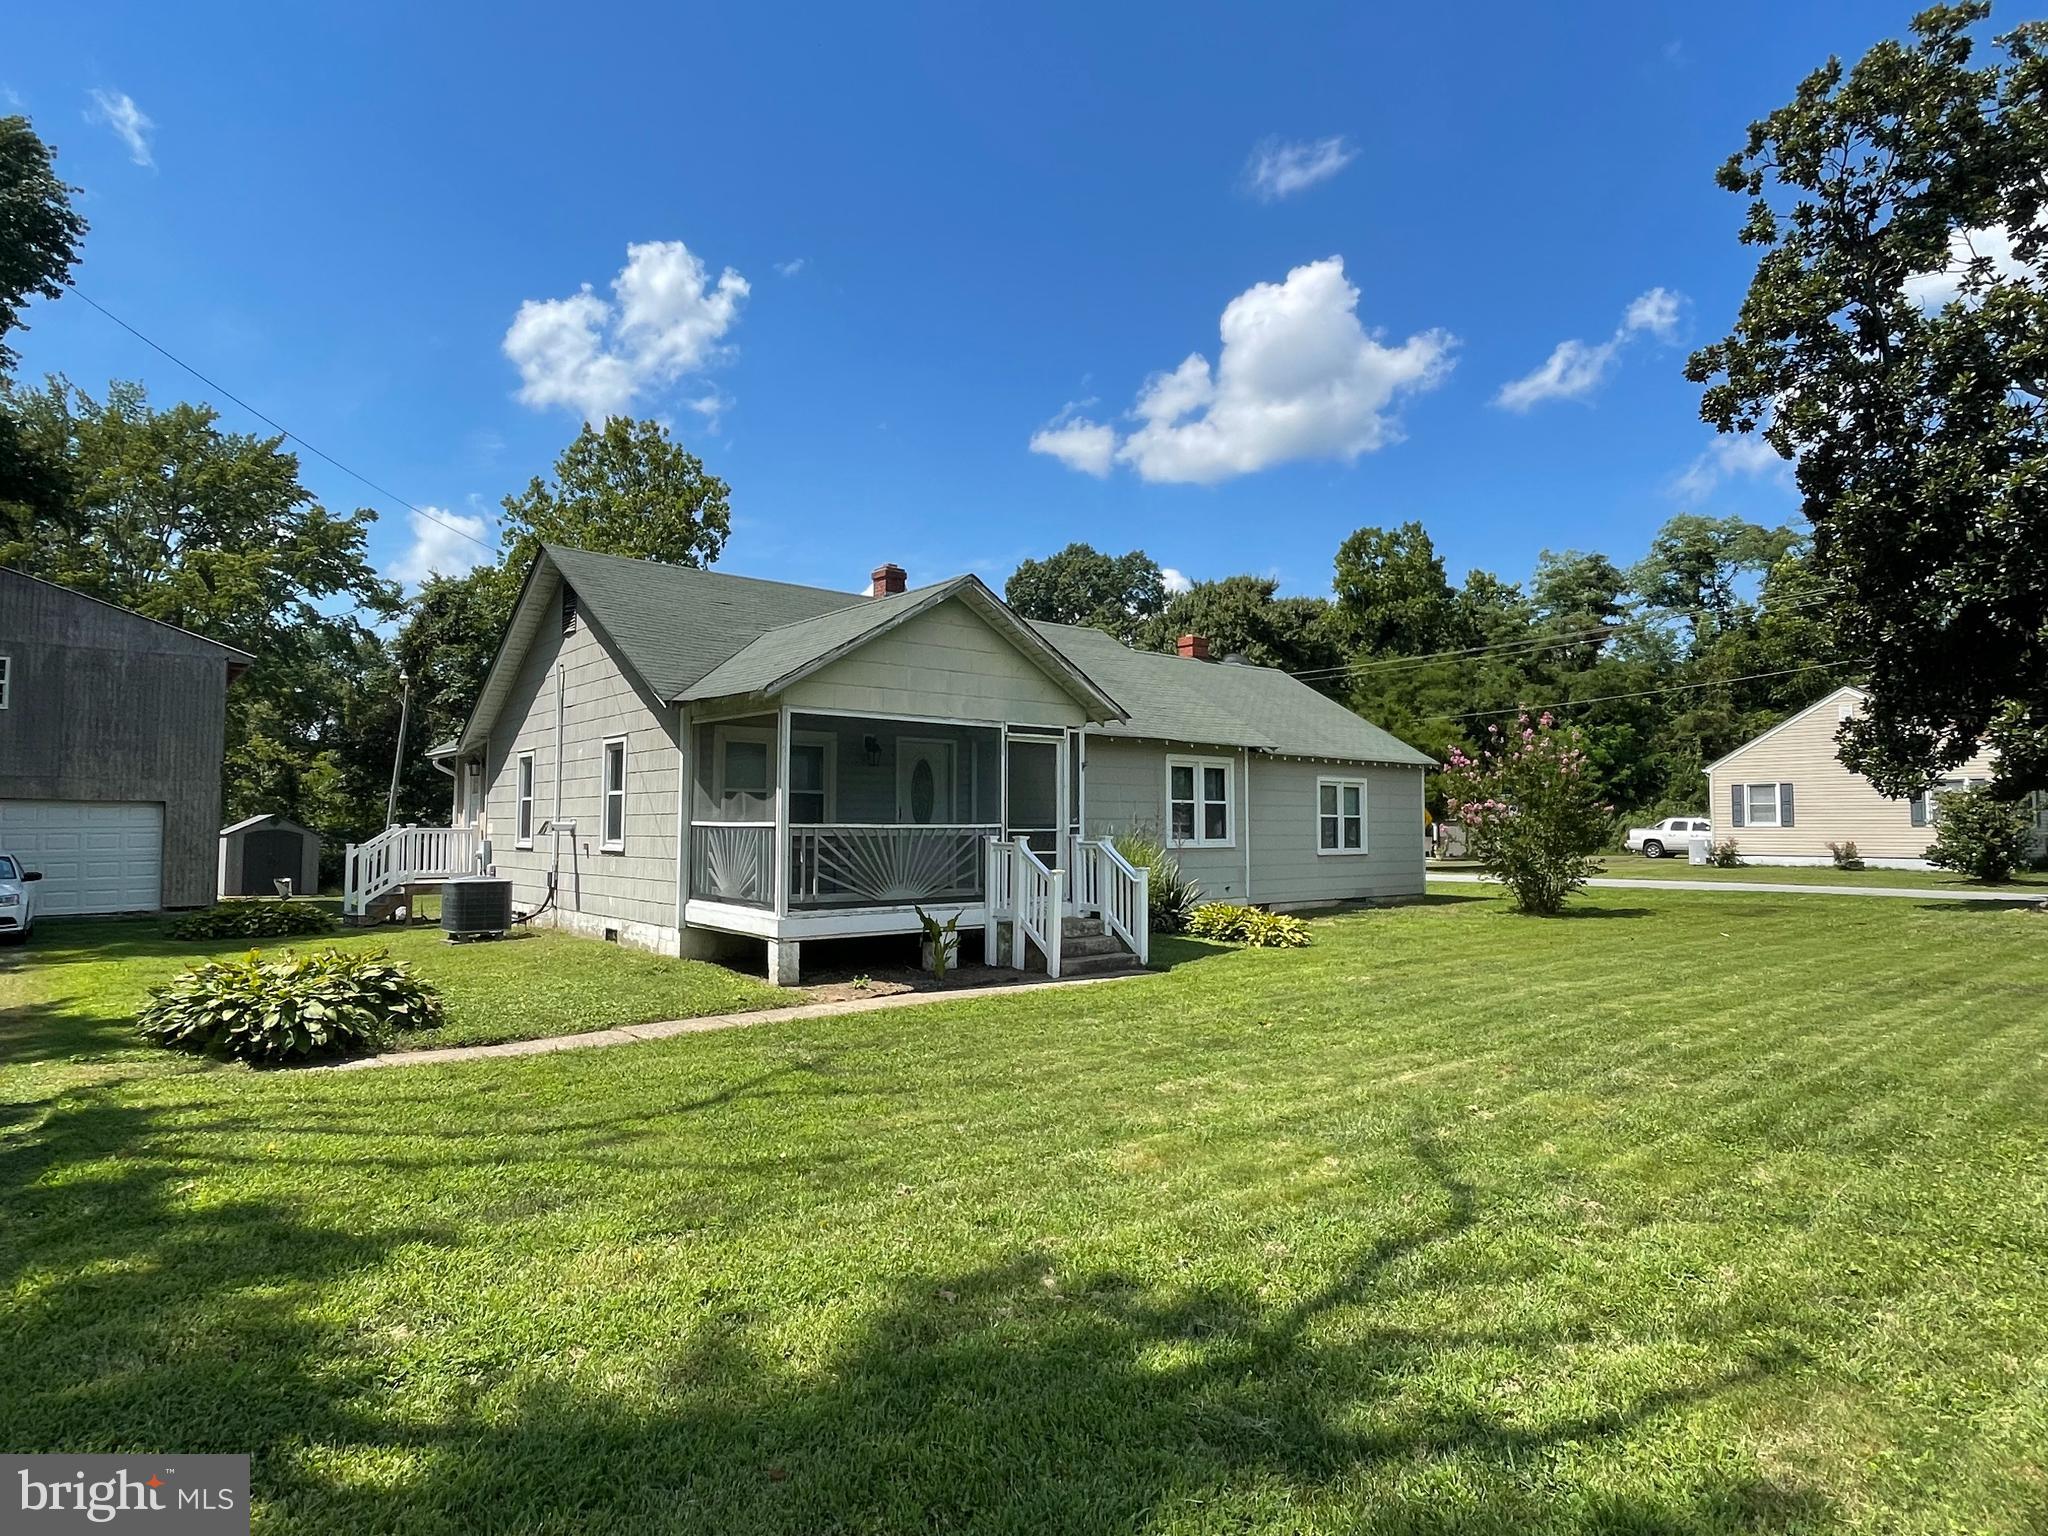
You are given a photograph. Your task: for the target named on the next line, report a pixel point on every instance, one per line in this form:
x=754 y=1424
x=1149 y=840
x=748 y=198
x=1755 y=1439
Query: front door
x=924 y=782
x=1035 y=798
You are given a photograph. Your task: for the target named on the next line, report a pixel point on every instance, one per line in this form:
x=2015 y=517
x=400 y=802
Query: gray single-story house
x=678 y=758
x=112 y=729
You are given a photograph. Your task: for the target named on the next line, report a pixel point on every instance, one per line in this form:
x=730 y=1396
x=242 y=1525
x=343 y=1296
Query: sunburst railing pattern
x=851 y=864
x=733 y=861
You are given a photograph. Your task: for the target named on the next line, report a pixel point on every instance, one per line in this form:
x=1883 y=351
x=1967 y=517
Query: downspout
x=1247 y=821
x=555 y=827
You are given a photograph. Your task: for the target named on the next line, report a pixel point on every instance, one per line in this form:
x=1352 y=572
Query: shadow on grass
x=1015 y=1395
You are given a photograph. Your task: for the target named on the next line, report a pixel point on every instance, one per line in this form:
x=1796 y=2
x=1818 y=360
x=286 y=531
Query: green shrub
x=252 y=920
x=1978 y=835
x=1234 y=924
x=1845 y=855
x=1725 y=855
x=1530 y=802
x=1171 y=894
x=289 y=1007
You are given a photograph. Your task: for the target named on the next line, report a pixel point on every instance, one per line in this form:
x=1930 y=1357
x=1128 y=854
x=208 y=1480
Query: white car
x=1669 y=836
x=17 y=899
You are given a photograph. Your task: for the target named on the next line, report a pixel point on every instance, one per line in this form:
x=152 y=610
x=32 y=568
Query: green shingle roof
x=674 y=624
x=1175 y=698
x=694 y=634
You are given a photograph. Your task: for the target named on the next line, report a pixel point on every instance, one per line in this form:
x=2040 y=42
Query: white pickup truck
x=1669 y=836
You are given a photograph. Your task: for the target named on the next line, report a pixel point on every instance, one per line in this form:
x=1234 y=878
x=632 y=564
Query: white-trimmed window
x=1199 y=812
x=6 y=681
x=1927 y=804
x=614 y=828
x=1340 y=816
x=524 y=818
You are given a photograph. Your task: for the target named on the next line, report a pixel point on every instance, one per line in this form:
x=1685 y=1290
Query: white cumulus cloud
x=1728 y=457
x=666 y=319
x=1575 y=368
x=1280 y=168
x=1174 y=580
x=130 y=123
x=1076 y=442
x=1993 y=245
x=1297 y=378
x=444 y=543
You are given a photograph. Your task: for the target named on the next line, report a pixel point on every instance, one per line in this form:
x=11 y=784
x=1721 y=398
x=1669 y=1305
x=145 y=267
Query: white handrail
x=397 y=856
x=1038 y=913
x=1123 y=895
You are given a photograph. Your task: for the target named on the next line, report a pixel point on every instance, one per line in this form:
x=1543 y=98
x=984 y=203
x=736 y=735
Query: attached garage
x=93 y=857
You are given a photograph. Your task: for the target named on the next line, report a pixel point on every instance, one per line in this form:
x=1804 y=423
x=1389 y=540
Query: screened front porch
x=872 y=812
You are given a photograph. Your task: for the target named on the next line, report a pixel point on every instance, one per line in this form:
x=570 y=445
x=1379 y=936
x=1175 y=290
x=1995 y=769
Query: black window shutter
x=1784 y=805
x=1735 y=806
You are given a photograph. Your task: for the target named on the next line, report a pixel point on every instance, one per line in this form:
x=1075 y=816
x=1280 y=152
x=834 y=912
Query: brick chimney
x=1194 y=647
x=888 y=580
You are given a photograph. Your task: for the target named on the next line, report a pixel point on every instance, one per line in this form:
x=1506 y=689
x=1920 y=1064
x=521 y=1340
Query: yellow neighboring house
x=1786 y=795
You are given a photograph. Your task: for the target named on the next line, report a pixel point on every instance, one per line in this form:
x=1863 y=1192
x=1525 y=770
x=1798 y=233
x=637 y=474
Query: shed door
x=94 y=857
x=269 y=854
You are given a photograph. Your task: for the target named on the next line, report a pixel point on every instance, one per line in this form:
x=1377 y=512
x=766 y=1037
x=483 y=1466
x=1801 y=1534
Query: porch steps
x=1087 y=948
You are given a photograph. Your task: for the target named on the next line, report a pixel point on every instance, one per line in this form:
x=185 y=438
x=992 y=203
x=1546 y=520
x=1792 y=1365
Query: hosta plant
x=252 y=920
x=288 y=1007
x=1235 y=924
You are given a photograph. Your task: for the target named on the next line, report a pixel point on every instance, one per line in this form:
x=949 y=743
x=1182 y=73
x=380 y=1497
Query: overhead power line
x=1643 y=693
x=1529 y=643
x=391 y=496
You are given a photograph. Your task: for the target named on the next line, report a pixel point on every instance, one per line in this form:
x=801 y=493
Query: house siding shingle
x=599 y=702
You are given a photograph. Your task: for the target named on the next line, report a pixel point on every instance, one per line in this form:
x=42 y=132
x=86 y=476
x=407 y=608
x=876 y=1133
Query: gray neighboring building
x=112 y=729
x=682 y=759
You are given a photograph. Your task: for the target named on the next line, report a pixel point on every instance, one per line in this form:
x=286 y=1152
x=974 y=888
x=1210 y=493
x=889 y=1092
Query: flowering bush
x=1726 y=854
x=1531 y=810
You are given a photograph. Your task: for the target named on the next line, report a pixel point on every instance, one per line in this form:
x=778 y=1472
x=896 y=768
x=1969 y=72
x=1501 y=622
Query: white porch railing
x=856 y=864
x=399 y=856
x=1107 y=883
x=1036 y=910
x=733 y=861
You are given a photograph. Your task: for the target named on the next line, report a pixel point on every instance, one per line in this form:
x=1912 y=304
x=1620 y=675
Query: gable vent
x=568 y=609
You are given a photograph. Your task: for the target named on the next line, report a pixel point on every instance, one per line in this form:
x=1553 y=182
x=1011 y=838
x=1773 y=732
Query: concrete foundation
x=783 y=969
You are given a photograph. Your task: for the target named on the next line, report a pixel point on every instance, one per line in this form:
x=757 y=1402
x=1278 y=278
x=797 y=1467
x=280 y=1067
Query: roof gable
x=784 y=657
x=139 y=624
x=1848 y=690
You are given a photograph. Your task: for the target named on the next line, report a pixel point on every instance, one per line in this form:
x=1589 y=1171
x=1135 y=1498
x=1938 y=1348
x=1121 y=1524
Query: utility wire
x=262 y=416
x=1645 y=693
x=1531 y=643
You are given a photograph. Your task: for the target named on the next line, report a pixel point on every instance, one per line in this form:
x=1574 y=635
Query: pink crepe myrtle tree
x=1532 y=812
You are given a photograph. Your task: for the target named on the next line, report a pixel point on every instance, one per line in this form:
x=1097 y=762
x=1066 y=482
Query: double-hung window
x=524 y=819
x=1927 y=804
x=1199 y=813
x=6 y=681
x=1760 y=805
x=614 y=795
x=1340 y=816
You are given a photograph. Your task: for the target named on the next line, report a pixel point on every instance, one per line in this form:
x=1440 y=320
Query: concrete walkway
x=627 y=1034
x=1765 y=887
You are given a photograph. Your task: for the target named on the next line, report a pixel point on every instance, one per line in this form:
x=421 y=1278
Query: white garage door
x=94 y=858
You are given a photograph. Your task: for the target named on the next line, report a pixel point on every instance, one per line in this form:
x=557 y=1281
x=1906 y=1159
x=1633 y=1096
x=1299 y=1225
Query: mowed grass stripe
x=1456 y=1220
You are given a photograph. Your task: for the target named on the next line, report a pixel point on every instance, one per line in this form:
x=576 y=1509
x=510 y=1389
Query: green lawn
x=1632 y=866
x=95 y=974
x=1457 y=1221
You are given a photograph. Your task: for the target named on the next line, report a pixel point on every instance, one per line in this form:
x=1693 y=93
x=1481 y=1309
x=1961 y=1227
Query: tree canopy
x=1082 y=585
x=1892 y=345
x=626 y=488
x=40 y=231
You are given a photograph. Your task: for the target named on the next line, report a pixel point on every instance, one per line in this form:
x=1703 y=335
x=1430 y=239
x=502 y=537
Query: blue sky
x=949 y=235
